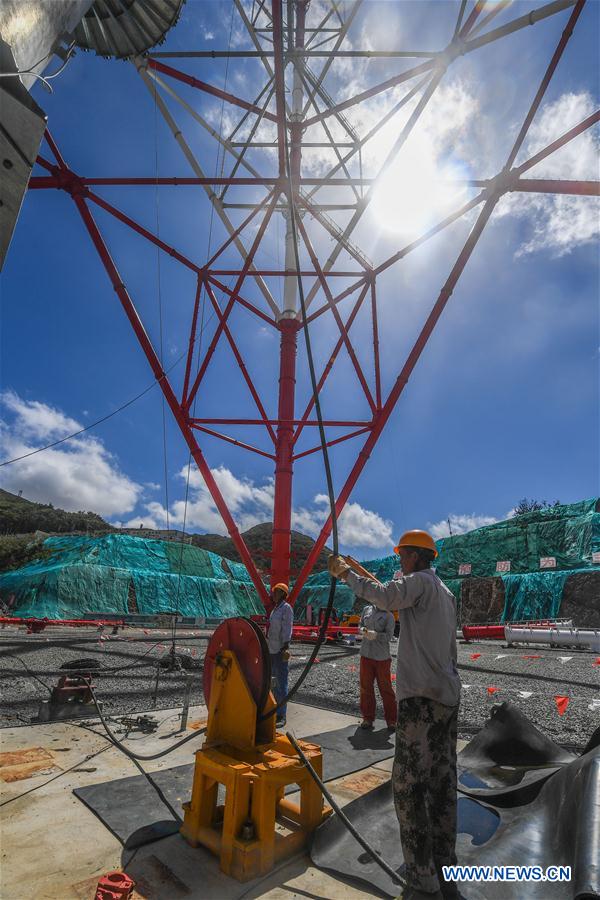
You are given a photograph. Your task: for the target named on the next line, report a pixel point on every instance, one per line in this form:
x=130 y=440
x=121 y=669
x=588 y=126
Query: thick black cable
x=144 y=756
x=115 y=740
x=322 y=437
x=87 y=758
x=375 y=856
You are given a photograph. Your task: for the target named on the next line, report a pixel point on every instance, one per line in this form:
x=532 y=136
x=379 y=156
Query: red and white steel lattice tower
x=297 y=48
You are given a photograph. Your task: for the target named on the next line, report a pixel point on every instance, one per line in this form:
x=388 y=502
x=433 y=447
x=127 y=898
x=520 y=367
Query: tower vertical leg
x=282 y=513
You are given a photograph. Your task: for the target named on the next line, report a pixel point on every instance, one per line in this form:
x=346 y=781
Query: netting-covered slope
x=565 y=536
x=117 y=574
x=569 y=533
x=316 y=591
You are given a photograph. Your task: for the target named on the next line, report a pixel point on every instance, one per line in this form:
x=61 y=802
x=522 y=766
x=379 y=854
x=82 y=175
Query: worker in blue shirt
x=279 y=636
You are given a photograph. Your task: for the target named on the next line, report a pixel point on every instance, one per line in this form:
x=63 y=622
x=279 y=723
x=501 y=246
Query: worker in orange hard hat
x=428 y=696
x=279 y=636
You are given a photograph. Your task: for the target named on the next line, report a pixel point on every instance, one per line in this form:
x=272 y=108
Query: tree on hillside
x=528 y=506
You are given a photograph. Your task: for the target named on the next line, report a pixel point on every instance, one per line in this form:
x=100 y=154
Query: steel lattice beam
x=292 y=100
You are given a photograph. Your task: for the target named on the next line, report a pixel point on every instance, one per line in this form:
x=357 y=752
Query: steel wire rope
x=317 y=404
x=334 y=529
x=119 y=409
x=111 y=742
x=58 y=775
x=160 y=315
x=45 y=79
x=202 y=327
x=115 y=740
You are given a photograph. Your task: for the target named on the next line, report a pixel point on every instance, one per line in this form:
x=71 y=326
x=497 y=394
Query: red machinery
x=483 y=632
x=333 y=633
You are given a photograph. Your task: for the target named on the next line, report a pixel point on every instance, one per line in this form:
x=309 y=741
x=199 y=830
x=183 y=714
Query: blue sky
x=504 y=400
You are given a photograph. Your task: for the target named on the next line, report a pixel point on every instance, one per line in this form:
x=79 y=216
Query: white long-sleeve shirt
x=426 y=664
x=382 y=623
x=280 y=627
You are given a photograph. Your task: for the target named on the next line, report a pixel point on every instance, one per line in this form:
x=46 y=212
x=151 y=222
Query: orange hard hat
x=281 y=587
x=416 y=538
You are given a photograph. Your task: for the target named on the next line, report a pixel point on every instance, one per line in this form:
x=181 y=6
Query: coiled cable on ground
x=126 y=750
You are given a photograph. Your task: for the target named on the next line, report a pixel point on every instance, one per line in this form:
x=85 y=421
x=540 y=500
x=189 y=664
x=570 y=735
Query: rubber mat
x=509 y=759
x=559 y=828
x=132 y=810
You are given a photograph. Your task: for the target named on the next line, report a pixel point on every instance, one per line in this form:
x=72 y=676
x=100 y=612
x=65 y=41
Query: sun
x=418 y=190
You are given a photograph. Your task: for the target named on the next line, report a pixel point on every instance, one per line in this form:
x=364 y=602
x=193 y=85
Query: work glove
x=337 y=566
x=368 y=634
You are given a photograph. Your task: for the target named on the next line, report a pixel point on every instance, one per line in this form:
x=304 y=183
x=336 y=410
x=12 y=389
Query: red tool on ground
x=115 y=886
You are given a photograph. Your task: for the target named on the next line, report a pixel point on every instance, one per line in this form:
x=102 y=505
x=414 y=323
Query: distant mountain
x=21 y=516
x=258 y=540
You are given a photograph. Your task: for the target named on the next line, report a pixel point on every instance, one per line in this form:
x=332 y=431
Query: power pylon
x=292 y=110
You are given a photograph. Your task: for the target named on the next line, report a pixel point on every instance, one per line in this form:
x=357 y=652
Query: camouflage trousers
x=424 y=784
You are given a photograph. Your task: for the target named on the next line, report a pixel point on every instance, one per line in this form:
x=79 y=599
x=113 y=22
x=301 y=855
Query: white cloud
x=358 y=527
x=251 y=503
x=78 y=475
x=38 y=420
x=460 y=524
x=559 y=222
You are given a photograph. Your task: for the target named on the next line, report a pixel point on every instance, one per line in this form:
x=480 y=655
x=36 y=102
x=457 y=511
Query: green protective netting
x=537 y=595
x=570 y=533
x=76 y=575
x=316 y=590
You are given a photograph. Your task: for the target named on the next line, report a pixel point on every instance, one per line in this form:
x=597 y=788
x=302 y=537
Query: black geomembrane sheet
x=133 y=811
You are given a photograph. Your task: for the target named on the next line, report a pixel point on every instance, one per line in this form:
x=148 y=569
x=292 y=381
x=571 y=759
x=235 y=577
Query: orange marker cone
x=561 y=704
x=492 y=690
x=475 y=655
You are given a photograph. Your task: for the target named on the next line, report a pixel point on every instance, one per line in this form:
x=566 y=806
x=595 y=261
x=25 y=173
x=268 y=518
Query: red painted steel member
x=377 y=628
x=428 y=692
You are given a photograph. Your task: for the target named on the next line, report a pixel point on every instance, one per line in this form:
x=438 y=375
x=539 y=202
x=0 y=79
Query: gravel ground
x=332 y=684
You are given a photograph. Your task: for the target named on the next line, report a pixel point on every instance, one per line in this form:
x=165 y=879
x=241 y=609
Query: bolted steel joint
x=503 y=183
x=70 y=182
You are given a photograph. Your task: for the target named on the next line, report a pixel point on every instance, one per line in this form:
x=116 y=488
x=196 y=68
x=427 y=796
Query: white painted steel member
x=561 y=636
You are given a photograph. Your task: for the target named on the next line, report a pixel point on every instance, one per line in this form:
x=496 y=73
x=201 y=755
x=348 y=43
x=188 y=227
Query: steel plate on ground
x=247 y=641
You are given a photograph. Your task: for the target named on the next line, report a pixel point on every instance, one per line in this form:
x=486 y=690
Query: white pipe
x=561 y=636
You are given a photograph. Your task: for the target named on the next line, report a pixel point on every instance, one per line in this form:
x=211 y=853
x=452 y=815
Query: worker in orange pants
x=377 y=629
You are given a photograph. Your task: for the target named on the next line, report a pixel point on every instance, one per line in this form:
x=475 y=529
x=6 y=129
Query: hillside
x=258 y=540
x=21 y=516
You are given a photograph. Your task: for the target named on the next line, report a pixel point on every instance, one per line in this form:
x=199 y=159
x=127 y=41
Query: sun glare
x=418 y=190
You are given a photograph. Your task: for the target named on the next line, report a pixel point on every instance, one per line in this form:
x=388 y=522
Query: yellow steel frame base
x=257 y=826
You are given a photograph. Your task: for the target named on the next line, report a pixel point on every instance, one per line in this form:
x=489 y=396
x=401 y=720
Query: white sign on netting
x=547 y=562
x=464 y=569
x=503 y=565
